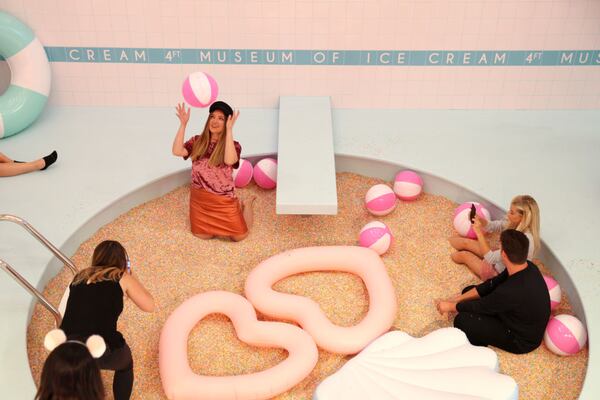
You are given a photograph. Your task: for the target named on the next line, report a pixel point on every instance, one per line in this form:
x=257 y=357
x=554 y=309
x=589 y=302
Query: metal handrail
x=20 y=221
x=27 y=286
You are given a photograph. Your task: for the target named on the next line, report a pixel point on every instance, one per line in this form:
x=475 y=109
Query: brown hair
x=109 y=263
x=70 y=373
x=515 y=245
x=201 y=144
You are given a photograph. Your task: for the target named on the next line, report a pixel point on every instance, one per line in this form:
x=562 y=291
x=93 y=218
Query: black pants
x=485 y=330
x=120 y=361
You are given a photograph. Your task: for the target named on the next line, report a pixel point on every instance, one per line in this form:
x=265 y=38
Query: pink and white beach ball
x=200 y=89
x=554 y=291
x=242 y=175
x=408 y=185
x=380 y=200
x=462 y=224
x=565 y=335
x=265 y=173
x=376 y=236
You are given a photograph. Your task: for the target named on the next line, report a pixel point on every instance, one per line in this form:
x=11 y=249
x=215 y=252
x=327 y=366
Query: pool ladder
x=21 y=280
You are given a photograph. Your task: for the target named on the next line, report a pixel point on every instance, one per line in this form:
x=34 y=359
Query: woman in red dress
x=214 y=208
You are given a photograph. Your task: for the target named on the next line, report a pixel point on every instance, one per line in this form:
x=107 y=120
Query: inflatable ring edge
x=24 y=100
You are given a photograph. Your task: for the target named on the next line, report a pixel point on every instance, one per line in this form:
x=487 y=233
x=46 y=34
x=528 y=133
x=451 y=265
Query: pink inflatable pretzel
x=353 y=259
x=181 y=383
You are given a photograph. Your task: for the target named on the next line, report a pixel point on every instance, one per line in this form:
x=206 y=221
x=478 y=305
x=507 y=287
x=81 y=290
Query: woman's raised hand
x=182 y=114
x=231 y=120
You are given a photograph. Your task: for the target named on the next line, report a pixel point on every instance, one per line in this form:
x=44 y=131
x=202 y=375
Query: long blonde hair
x=530 y=221
x=109 y=263
x=201 y=146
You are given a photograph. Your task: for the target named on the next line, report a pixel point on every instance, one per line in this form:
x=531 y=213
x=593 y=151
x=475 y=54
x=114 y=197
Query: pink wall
x=334 y=24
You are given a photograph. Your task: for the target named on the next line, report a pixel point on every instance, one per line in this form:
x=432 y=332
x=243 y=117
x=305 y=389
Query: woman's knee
x=239 y=238
x=458 y=257
x=456 y=242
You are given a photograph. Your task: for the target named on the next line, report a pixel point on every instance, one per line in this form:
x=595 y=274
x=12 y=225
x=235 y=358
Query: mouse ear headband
x=95 y=344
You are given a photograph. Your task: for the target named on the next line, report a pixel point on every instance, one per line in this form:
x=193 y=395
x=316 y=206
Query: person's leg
x=474 y=263
x=4 y=158
x=13 y=169
x=460 y=244
x=247 y=206
x=248 y=210
x=486 y=330
x=239 y=238
x=120 y=361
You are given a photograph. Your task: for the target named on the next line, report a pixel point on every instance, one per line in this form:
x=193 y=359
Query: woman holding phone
x=95 y=304
x=523 y=215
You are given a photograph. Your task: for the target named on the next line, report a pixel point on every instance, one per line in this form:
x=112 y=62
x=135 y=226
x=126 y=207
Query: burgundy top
x=217 y=180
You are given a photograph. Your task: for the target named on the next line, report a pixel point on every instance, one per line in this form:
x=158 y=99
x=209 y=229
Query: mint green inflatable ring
x=29 y=87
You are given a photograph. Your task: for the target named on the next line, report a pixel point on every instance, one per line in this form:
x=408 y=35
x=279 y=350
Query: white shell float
x=440 y=365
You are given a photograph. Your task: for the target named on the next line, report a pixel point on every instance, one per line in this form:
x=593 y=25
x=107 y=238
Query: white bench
x=305 y=157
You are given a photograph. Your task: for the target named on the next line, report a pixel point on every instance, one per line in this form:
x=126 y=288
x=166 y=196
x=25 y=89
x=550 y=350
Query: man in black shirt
x=509 y=311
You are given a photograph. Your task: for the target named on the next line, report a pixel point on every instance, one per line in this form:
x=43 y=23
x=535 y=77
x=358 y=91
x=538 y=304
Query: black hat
x=221 y=106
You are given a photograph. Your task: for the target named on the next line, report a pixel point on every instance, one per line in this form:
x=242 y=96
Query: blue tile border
x=461 y=58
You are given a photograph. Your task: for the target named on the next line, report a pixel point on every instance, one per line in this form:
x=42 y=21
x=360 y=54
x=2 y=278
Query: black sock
x=50 y=159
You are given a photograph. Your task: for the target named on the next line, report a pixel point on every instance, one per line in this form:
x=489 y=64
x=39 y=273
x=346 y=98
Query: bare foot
x=248 y=201
x=248 y=210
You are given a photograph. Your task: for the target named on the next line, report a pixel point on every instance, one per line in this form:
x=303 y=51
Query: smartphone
x=128 y=263
x=472 y=213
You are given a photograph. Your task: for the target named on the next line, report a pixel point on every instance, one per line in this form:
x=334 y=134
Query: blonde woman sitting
x=523 y=215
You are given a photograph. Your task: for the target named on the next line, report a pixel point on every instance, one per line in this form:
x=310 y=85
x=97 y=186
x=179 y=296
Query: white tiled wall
x=324 y=24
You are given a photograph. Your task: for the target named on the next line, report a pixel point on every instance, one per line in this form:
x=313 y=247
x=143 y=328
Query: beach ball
x=408 y=185
x=554 y=291
x=565 y=335
x=242 y=175
x=376 y=236
x=380 y=200
x=462 y=224
x=265 y=173
x=200 y=89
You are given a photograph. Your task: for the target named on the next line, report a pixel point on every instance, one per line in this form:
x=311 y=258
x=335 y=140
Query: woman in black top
x=95 y=303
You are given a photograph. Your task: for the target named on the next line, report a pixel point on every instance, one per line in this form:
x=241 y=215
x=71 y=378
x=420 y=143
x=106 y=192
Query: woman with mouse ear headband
x=95 y=303
x=70 y=371
x=523 y=215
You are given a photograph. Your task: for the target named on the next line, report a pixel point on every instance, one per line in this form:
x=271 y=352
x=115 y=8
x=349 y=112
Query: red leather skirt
x=213 y=214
